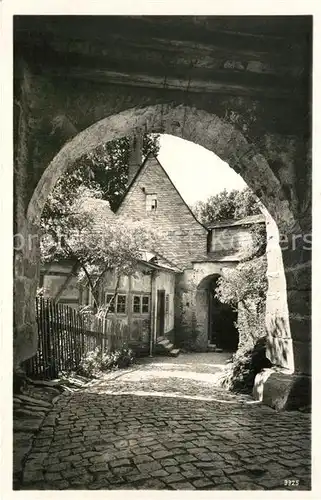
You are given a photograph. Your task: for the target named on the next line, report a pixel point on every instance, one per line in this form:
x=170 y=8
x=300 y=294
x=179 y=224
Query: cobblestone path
x=164 y=425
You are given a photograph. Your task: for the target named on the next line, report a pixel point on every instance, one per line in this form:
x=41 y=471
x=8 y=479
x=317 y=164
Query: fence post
x=47 y=338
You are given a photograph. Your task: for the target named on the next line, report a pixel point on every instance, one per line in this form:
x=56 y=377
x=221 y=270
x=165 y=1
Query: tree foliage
x=99 y=241
x=233 y=204
x=70 y=231
x=109 y=164
x=246 y=284
x=96 y=362
x=103 y=172
x=244 y=288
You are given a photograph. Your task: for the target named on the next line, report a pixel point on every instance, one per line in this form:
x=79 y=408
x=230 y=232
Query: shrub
x=95 y=362
x=246 y=363
x=244 y=288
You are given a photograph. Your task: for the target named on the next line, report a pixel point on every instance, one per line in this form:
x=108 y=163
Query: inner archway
x=216 y=319
x=222 y=318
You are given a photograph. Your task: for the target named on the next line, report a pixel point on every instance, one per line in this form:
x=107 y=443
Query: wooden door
x=160 y=313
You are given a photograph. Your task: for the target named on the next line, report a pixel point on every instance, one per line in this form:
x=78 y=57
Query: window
x=145 y=305
x=151 y=202
x=141 y=304
x=109 y=297
x=136 y=304
x=118 y=303
x=167 y=303
x=121 y=304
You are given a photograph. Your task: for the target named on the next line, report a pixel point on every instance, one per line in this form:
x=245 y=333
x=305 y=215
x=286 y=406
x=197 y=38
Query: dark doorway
x=221 y=328
x=160 y=313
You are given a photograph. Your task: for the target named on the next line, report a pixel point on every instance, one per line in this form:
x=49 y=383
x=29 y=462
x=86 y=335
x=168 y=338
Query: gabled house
x=200 y=252
x=171 y=295
x=141 y=309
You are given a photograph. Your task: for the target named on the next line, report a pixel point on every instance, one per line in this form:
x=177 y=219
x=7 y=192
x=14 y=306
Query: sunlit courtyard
x=165 y=424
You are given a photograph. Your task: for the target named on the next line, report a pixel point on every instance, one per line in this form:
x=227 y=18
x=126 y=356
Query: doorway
x=215 y=321
x=222 y=331
x=160 y=313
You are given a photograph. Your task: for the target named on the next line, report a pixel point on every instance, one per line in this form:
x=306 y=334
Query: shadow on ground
x=164 y=424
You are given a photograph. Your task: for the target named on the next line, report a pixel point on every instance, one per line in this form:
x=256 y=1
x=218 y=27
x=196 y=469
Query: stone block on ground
x=283 y=391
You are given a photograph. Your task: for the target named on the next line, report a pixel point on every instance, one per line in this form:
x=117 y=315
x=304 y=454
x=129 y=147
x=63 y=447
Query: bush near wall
x=95 y=362
x=250 y=324
x=244 y=288
x=246 y=363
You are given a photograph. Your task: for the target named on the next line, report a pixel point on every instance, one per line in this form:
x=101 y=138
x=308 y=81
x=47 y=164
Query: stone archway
x=189 y=123
x=198 y=126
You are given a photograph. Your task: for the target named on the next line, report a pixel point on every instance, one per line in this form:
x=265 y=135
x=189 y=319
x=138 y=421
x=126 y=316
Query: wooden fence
x=65 y=336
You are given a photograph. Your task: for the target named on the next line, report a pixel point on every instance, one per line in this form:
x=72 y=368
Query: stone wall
x=190 y=320
x=279 y=346
x=230 y=240
x=26 y=276
x=26 y=234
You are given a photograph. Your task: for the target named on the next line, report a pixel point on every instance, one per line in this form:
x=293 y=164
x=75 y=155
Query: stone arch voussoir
x=195 y=125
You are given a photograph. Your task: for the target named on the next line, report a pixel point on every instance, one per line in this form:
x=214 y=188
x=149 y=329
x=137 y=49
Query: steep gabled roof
x=159 y=267
x=250 y=219
x=168 y=177
x=159 y=260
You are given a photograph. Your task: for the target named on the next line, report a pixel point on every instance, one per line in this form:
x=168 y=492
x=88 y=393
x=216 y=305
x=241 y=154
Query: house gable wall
x=182 y=237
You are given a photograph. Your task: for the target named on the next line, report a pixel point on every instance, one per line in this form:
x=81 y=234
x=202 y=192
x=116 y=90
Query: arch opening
x=217 y=319
x=192 y=124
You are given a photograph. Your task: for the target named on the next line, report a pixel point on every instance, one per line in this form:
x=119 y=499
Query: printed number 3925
x=291 y=482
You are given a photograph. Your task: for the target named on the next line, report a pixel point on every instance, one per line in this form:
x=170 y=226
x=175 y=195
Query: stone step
x=22 y=412
x=164 y=342
x=44 y=383
x=165 y=346
x=31 y=424
x=32 y=401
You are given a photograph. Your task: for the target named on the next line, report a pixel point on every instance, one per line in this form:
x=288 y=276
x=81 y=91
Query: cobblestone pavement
x=164 y=425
